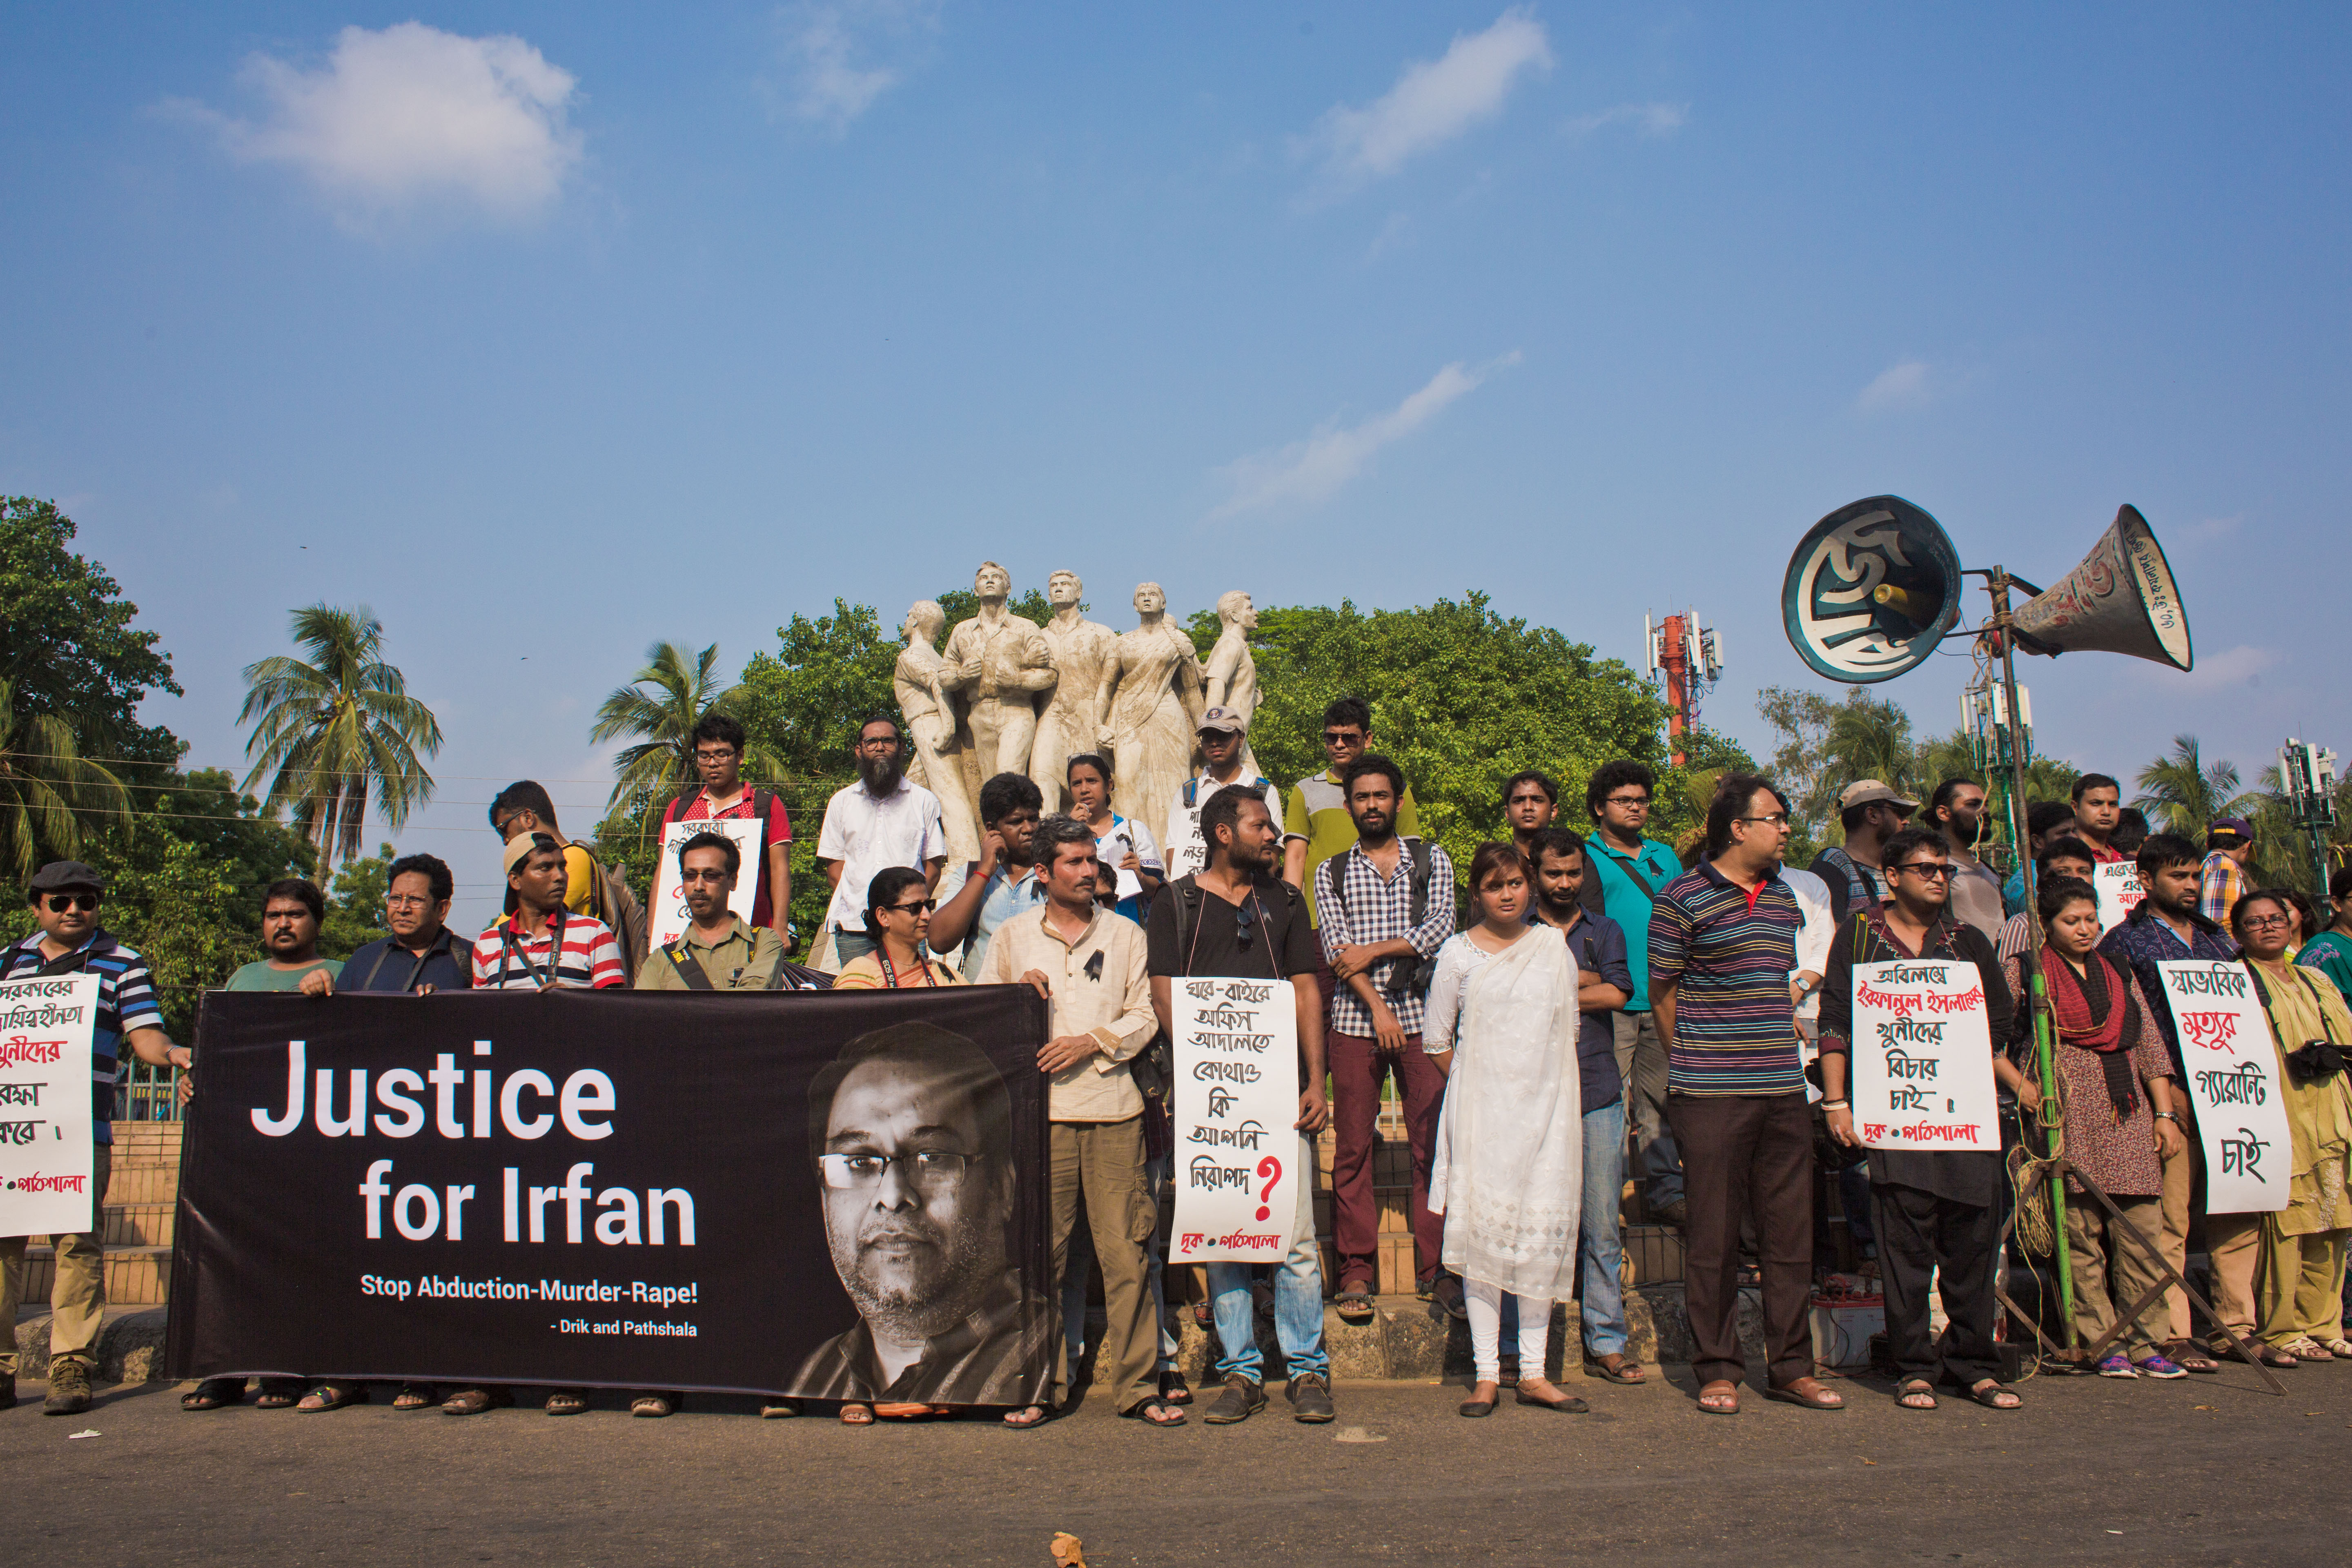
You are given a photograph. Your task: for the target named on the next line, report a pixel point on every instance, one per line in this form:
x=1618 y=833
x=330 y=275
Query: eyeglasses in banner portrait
x=828 y=1195
x=1236 y=1109
x=47 y=1167
x=1923 y=1056
x=2232 y=1070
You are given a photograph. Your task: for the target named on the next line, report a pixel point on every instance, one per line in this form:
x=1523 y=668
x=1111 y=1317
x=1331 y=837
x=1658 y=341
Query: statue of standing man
x=934 y=754
x=999 y=663
x=1230 y=673
x=1073 y=721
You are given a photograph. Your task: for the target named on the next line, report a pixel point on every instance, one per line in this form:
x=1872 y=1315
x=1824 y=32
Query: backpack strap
x=1187 y=913
x=1191 y=792
x=1419 y=848
x=687 y=970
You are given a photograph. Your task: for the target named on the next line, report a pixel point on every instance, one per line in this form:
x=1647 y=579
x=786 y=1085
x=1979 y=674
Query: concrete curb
x=129 y=1344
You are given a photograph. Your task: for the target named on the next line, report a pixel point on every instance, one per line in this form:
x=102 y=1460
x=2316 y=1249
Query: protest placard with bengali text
x=1922 y=1065
x=47 y=1167
x=2232 y=1072
x=1235 y=1106
x=2117 y=884
x=669 y=917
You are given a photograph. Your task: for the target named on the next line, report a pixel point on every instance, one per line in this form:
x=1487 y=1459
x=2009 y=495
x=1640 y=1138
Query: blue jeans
x=1297 y=1300
x=1601 y=1246
x=849 y=946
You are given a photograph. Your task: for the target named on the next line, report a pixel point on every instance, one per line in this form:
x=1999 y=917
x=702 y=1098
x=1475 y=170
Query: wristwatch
x=2167 y=1116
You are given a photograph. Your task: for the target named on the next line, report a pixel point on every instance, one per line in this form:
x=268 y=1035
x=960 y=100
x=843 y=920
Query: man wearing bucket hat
x=65 y=896
x=1870 y=813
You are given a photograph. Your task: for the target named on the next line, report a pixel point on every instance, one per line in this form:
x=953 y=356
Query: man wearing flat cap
x=65 y=896
x=1870 y=813
x=2229 y=850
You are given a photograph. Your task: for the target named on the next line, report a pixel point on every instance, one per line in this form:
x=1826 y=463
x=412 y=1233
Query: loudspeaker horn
x=1871 y=591
x=2121 y=599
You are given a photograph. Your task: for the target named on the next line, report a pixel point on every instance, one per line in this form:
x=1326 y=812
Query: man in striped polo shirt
x=543 y=945
x=65 y=897
x=1723 y=943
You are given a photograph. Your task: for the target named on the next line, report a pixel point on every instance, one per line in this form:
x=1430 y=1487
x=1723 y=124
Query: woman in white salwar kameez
x=1509 y=1161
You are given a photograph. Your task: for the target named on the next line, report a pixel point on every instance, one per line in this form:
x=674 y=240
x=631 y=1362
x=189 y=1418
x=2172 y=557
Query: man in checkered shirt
x=1387 y=906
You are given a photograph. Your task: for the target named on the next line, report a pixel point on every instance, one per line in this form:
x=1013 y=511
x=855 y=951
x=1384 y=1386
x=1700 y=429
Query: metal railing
x=151 y=1094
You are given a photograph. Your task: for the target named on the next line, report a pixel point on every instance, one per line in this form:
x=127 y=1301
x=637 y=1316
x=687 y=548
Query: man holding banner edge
x=1932 y=1210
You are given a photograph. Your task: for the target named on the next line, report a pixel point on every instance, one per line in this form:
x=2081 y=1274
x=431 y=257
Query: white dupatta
x=1508 y=1168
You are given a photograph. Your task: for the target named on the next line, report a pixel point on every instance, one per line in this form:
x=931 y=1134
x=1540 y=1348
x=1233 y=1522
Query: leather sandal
x=332 y=1396
x=1915 y=1393
x=566 y=1402
x=1615 y=1368
x=1806 y=1392
x=415 y=1396
x=654 y=1405
x=2189 y=1356
x=1724 y=1393
x=469 y=1402
x=855 y=1415
x=1354 y=1304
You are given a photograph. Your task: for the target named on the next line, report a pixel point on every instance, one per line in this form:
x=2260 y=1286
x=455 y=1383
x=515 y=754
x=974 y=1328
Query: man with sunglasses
x=718 y=744
x=1627 y=868
x=1233 y=917
x=1316 y=822
x=65 y=896
x=718 y=950
x=1935 y=1212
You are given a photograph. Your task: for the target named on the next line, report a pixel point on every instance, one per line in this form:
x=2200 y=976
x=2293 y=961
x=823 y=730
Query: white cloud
x=1435 y=100
x=1647 y=118
x=1306 y=472
x=830 y=77
x=411 y=115
x=1902 y=385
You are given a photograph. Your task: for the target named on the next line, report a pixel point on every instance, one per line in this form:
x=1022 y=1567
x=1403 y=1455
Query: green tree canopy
x=660 y=706
x=335 y=727
x=68 y=648
x=49 y=793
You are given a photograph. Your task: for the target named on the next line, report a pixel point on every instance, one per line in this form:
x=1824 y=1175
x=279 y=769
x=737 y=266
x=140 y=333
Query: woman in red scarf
x=2120 y=1117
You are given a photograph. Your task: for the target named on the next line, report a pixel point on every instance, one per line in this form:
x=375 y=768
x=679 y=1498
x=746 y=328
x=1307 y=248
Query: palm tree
x=334 y=727
x=45 y=787
x=2183 y=793
x=661 y=721
x=1869 y=737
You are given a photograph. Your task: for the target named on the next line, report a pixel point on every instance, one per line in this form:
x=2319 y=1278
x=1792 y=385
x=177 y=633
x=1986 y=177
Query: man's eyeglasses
x=715 y=754
x=1343 y=737
x=879 y=743
x=927 y=1171
x=60 y=902
x=407 y=901
x=1931 y=870
x=921 y=906
x=1772 y=819
x=1245 y=927
x=1629 y=802
x=703 y=875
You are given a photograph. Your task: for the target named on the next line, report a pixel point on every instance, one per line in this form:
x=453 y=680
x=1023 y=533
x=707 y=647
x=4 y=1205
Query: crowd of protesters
x=1575 y=1018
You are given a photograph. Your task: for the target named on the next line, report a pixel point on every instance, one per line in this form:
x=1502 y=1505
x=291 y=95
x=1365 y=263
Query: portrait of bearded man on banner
x=911 y=1131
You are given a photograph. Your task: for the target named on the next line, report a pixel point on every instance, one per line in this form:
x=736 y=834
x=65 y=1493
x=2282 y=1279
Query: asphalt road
x=2208 y=1470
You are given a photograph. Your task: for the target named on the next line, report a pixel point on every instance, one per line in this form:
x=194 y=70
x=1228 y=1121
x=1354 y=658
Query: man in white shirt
x=878 y=822
x=1225 y=744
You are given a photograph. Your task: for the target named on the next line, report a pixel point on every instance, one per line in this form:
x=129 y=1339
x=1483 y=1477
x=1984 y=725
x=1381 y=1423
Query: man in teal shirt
x=291 y=912
x=1630 y=871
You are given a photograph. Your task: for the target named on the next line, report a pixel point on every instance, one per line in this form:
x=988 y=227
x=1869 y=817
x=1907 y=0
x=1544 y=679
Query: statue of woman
x=934 y=755
x=1152 y=688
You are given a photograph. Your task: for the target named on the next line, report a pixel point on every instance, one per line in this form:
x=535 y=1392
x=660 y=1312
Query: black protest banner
x=836 y=1195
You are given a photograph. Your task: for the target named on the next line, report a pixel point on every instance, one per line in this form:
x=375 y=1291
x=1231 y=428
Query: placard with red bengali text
x=2117 y=882
x=1922 y=1067
x=47 y=1167
x=1235 y=1107
x=2232 y=1068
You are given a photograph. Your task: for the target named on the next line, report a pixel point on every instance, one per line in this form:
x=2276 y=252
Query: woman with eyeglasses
x=1508 y=1167
x=2118 y=1096
x=899 y=918
x=1121 y=844
x=2303 y=1243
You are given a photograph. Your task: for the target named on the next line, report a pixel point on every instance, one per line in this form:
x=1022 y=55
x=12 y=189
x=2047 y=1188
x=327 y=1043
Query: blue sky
x=549 y=332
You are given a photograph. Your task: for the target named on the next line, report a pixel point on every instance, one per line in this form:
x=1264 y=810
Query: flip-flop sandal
x=413 y=1396
x=564 y=1402
x=654 y=1405
x=1913 y=1390
x=856 y=1416
x=1037 y=1415
x=1625 y=1372
x=1174 y=1389
x=1990 y=1395
x=1353 y=1305
x=1149 y=1411
x=908 y=1410
x=214 y=1394
x=330 y=1396
x=2273 y=1356
x=2190 y=1357
x=275 y=1401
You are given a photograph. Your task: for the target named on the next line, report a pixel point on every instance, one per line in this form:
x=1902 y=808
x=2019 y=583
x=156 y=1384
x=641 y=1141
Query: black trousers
x=1919 y=1232
x=1746 y=1154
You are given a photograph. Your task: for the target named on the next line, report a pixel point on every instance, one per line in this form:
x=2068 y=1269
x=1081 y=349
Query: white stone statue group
x=1009 y=696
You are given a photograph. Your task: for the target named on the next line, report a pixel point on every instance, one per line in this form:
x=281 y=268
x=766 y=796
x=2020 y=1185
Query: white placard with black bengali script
x=2117 y=884
x=2232 y=1072
x=1235 y=1106
x=47 y=1167
x=1922 y=1063
x=669 y=917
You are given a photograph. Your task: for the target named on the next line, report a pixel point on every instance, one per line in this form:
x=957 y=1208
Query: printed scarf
x=2089 y=1018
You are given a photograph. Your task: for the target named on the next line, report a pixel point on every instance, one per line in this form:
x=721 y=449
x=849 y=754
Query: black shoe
x=68 y=1389
x=1676 y=1214
x=1447 y=1293
x=1310 y=1397
x=1241 y=1400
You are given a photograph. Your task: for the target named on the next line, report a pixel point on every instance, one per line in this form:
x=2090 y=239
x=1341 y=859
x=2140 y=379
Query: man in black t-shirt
x=1234 y=918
